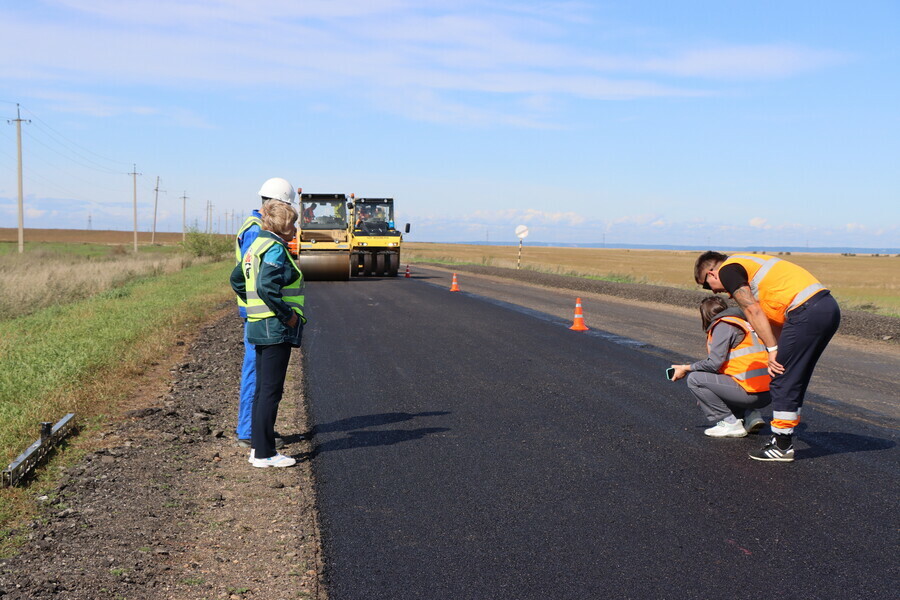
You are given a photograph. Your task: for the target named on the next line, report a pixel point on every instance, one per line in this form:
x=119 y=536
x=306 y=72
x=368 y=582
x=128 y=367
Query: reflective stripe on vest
x=291 y=294
x=748 y=362
x=778 y=285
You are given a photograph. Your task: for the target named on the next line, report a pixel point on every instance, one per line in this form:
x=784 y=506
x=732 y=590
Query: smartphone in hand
x=670 y=373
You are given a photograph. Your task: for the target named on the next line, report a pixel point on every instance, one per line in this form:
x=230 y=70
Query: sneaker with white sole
x=753 y=421
x=279 y=460
x=729 y=430
x=772 y=452
x=252 y=456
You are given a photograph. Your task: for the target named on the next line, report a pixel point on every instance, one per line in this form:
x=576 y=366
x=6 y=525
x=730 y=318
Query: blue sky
x=714 y=123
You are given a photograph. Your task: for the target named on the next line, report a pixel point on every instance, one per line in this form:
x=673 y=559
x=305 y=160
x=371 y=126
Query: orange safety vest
x=748 y=362
x=778 y=285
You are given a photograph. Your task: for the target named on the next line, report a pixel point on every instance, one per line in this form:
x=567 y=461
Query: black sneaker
x=772 y=452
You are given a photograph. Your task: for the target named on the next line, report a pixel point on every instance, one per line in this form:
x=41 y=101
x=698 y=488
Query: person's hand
x=293 y=321
x=680 y=371
x=775 y=367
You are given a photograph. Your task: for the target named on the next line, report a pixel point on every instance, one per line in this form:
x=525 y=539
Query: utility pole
x=134 y=175
x=155 y=203
x=184 y=216
x=18 y=121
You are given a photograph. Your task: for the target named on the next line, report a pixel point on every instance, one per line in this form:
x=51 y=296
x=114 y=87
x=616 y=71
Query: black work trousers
x=808 y=330
x=271 y=369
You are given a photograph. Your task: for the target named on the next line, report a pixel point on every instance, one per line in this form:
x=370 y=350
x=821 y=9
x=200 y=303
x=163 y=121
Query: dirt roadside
x=165 y=506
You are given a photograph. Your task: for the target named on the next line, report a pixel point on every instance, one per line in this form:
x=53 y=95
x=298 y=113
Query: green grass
x=48 y=356
x=84 y=357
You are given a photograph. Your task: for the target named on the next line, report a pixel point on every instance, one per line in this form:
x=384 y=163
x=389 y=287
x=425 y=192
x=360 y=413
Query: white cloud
x=759 y=223
x=855 y=227
x=409 y=57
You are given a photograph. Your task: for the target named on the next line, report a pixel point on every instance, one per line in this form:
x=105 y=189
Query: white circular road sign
x=521 y=232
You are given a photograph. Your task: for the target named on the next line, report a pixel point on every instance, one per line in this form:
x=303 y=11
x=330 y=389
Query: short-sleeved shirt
x=733 y=277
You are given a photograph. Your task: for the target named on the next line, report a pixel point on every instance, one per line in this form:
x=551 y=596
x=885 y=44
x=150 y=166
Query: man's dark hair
x=705 y=262
x=709 y=308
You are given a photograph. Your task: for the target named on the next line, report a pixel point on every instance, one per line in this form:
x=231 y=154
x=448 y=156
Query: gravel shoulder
x=165 y=506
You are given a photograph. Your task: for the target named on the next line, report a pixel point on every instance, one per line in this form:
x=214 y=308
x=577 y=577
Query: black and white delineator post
x=521 y=233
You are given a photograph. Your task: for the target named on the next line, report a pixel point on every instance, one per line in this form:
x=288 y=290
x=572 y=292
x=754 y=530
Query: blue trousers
x=248 y=389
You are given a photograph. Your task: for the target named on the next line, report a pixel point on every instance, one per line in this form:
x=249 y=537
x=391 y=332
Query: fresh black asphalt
x=464 y=450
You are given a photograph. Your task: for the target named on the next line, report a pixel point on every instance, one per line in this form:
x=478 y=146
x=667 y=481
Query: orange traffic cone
x=578 y=325
x=454 y=287
x=407 y=271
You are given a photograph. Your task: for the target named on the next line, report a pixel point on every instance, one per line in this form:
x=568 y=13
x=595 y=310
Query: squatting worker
x=273 y=189
x=732 y=383
x=793 y=314
x=271 y=284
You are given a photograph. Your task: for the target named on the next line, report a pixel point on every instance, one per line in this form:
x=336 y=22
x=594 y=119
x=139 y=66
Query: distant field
x=861 y=282
x=84 y=236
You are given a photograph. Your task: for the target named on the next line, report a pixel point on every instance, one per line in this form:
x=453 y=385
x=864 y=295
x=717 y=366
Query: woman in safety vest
x=269 y=282
x=732 y=383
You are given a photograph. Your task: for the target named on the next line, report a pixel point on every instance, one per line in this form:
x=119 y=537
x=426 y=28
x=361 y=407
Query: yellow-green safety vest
x=250 y=222
x=292 y=293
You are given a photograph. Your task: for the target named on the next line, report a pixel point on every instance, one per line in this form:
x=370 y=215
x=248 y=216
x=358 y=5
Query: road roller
x=375 y=242
x=323 y=240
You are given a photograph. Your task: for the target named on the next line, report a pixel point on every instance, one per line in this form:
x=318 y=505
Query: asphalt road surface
x=474 y=447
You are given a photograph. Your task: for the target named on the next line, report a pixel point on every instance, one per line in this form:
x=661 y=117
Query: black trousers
x=808 y=330
x=271 y=369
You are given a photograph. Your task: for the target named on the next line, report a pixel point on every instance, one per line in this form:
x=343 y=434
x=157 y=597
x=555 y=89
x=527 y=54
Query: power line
x=58 y=169
x=86 y=166
x=88 y=150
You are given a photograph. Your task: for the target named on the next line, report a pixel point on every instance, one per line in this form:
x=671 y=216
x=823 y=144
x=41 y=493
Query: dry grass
x=42 y=278
x=84 y=236
x=862 y=282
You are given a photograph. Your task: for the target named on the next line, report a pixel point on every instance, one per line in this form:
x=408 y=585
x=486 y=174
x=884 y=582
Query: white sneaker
x=753 y=421
x=279 y=460
x=723 y=429
x=252 y=456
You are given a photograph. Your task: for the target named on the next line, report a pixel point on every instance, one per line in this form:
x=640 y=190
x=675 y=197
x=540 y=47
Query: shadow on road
x=364 y=421
x=823 y=443
x=368 y=439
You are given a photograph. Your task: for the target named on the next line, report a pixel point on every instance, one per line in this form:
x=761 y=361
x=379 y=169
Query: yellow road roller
x=375 y=242
x=323 y=240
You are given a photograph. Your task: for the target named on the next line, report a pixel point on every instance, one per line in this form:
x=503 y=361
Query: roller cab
x=375 y=242
x=323 y=242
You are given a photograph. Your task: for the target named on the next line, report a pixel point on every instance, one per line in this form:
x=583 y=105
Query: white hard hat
x=277 y=189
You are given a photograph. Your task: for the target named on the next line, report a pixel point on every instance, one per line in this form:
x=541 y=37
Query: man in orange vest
x=793 y=314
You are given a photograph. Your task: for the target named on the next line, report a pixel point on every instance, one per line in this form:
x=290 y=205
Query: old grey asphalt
x=466 y=449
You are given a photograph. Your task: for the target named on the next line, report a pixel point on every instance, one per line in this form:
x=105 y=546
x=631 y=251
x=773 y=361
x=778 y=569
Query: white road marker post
x=521 y=233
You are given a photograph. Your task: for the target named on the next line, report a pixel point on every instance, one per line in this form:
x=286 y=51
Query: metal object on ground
x=28 y=460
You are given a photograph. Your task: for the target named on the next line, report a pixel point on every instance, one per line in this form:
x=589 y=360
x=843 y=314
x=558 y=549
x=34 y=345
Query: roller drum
x=325 y=266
